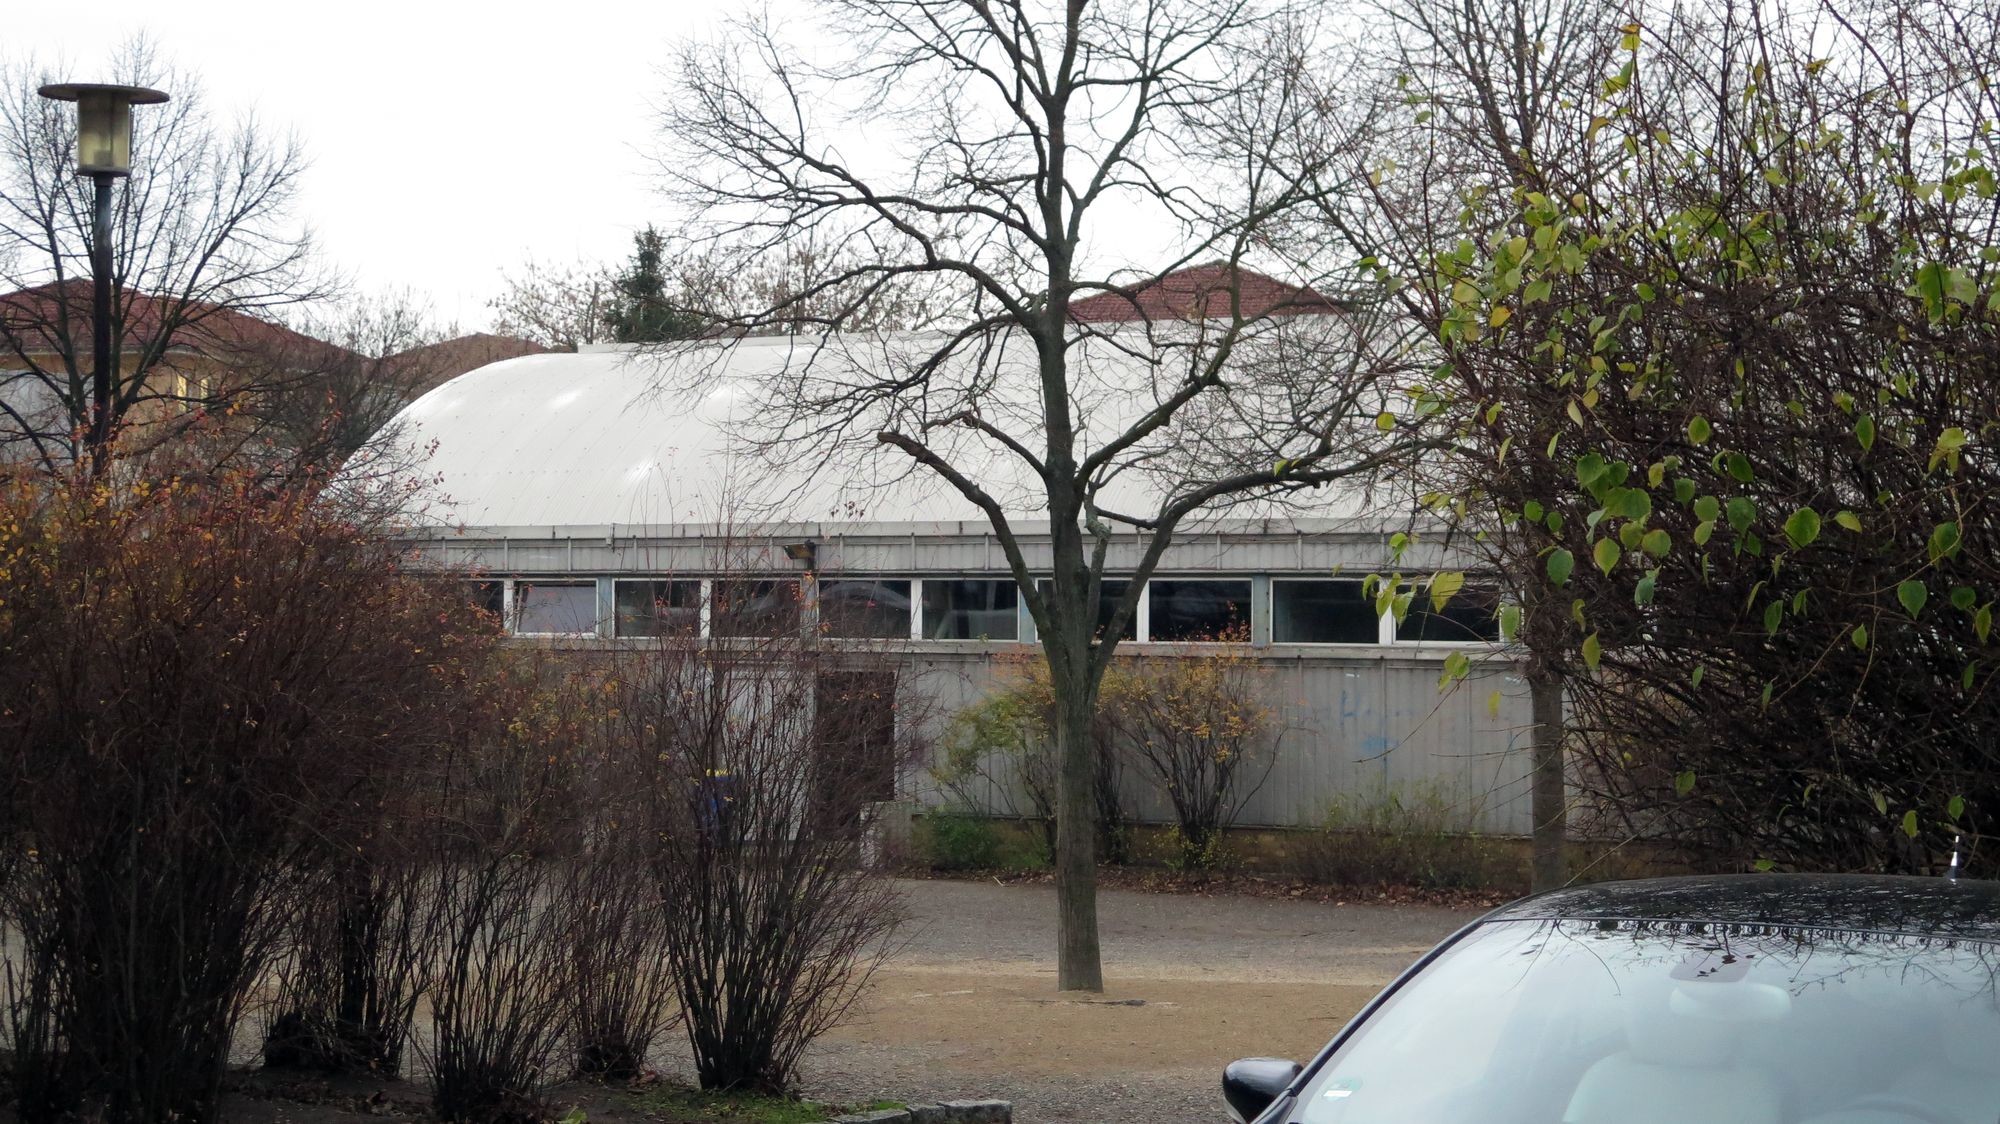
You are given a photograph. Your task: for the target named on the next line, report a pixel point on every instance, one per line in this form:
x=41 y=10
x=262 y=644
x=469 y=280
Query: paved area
x=968 y=1006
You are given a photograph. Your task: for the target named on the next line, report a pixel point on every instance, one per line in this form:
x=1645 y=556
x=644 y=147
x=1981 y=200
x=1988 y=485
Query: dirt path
x=969 y=1006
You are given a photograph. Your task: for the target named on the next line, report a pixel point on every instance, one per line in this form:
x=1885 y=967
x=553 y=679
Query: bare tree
x=331 y=390
x=558 y=306
x=1479 y=101
x=206 y=244
x=1014 y=144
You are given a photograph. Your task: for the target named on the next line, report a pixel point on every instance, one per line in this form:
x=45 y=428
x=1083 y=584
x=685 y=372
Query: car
x=1751 y=999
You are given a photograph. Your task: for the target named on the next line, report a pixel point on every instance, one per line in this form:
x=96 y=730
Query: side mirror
x=1250 y=1085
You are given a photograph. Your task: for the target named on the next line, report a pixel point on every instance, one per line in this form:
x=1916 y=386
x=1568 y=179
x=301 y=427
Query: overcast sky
x=448 y=141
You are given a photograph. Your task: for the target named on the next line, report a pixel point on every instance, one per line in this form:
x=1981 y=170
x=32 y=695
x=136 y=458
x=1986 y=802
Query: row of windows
x=1303 y=610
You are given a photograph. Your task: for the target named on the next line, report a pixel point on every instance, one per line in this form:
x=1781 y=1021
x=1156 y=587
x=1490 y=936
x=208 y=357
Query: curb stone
x=950 y=1112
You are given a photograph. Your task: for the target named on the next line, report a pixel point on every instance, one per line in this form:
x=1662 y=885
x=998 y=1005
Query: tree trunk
x=1078 y=963
x=1549 y=799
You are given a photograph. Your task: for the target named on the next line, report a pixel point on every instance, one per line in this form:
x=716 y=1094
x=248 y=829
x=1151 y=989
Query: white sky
x=448 y=140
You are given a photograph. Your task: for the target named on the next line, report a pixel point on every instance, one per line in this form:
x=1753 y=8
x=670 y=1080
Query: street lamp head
x=103 y=123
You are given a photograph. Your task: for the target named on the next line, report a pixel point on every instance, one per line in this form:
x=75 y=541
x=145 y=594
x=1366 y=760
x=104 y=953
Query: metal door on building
x=854 y=747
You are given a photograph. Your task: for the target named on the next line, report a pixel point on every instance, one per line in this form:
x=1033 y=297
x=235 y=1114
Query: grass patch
x=680 y=1105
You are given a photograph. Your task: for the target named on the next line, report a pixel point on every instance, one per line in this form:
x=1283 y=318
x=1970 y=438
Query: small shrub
x=956 y=839
x=1418 y=840
x=1198 y=726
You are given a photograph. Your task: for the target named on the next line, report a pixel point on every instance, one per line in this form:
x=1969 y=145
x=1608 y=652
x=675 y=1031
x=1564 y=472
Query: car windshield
x=1597 y=1022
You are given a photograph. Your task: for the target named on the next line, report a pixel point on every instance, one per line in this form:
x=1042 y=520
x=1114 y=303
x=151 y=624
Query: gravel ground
x=968 y=1007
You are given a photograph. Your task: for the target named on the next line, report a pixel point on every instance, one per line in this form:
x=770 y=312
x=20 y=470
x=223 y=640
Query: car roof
x=1959 y=908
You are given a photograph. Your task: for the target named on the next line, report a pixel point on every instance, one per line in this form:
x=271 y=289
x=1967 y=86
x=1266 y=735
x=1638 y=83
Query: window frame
x=1247 y=580
x=700 y=606
x=920 y=626
x=1385 y=629
x=821 y=581
x=514 y=605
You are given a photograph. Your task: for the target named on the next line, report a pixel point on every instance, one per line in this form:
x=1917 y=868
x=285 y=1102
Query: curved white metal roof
x=626 y=437
x=600 y=437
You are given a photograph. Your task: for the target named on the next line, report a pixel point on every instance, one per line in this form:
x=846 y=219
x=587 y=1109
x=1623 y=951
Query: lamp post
x=104 y=153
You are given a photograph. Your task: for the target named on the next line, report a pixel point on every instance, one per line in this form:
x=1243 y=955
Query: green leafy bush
x=956 y=839
x=1412 y=839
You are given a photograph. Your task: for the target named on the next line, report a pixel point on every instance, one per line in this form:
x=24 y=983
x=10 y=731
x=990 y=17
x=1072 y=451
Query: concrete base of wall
x=1501 y=861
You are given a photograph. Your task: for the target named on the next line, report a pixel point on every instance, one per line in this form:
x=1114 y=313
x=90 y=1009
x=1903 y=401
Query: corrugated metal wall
x=1362 y=730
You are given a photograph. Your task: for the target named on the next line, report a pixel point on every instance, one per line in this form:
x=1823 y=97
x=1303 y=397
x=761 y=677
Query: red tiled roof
x=31 y=316
x=1202 y=292
x=425 y=367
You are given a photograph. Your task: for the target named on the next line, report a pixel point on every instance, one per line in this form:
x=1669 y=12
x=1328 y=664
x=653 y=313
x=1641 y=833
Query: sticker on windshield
x=1344 y=1087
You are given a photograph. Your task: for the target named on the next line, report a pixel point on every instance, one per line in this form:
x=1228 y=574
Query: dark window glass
x=974 y=609
x=488 y=596
x=755 y=608
x=659 y=608
x=871 y=610
x=1322 y=612
x=555 y=607
x=1200 y=610
x=1471 y=615
x=1108 y=593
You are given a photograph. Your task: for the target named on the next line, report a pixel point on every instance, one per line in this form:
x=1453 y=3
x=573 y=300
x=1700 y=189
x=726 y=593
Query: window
x=1200 y=610
x=487 y=596
x=872 y=610
x=1322 y=612
x=659 y=608
x=755 y=608
x=1473 y=615
x=1108 y=593
x=972 y=609
x=555 y=608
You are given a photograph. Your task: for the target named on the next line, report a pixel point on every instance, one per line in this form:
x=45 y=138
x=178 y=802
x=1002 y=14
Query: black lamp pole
x=100 y=322
x=104 y=153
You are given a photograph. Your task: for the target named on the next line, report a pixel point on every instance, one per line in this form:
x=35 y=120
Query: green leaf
x=1683 y=490
x=1398 y=543
x=1849 y=520
x=1965 y=680
x=1444 y=587
x=1803 y=527
x=1493 y=705
x=1628 y=503
x=1955 y=807
x=1912 y=594
x=1703 y=532
x=1929 y=286
x=1881 y=803
x=1684 y=782
x=1695 y=676
x=1385 y=421
x=1910 y=823
x=1864 y=432
x=1860 y=637
x=1510 y=621
x=1699 y=431
x=1763 y=866
x=1456 y=666
x=1531 y=511
x=1774 y=614
x=1657 y=543
x=1963 y=597
x=1707 y=508
x=1642 y=592
x=1606 y=554
x=1593 y=651
x=1741 y=513
x=1948 y=444
x=1944 y=541
x=1982 y=622
x=1561 y=563
x=1739 y=467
